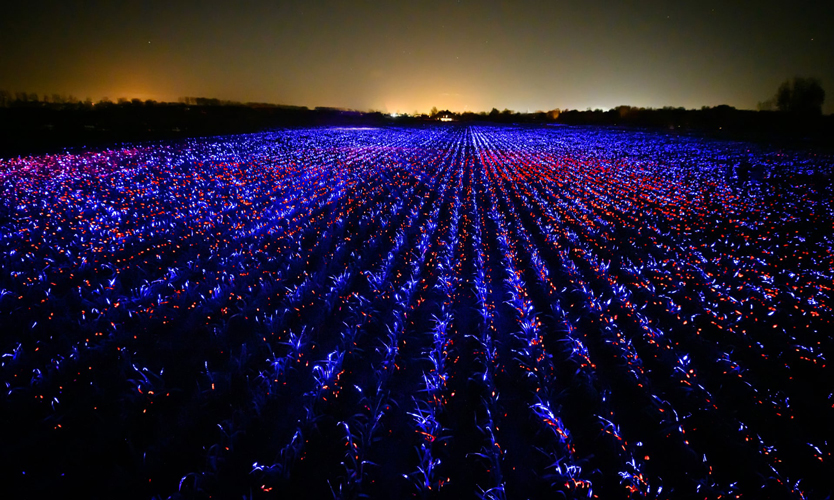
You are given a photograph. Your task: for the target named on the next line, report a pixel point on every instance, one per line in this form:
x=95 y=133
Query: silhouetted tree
x=767 y=105
x=801 y=96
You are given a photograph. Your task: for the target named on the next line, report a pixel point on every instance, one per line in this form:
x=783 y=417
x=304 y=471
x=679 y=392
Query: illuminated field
x=431 y=312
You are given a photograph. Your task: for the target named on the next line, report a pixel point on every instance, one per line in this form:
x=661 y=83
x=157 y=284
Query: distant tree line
x=793 y=116
x=33 y=125
x=31 y=99
x=495 y=116
x=62 y=101
x=786 y=128
x=30 y=123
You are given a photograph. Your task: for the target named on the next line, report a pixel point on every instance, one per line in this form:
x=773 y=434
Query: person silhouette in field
x=744 y=171
x=742 y=175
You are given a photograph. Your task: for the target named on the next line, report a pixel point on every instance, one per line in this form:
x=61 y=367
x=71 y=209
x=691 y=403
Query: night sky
x=410 y=56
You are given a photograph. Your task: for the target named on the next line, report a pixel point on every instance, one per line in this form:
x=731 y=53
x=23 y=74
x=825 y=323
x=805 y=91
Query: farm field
x=438 y=312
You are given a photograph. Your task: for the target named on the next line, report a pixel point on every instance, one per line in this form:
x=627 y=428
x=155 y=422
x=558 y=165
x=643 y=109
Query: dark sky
x=411 y=55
